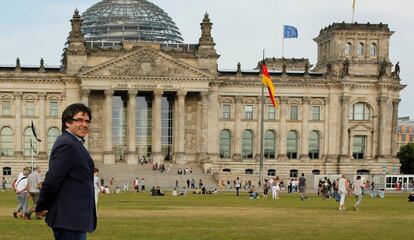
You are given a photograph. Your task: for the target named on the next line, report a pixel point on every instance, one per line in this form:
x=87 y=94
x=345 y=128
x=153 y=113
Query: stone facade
x=339 y=117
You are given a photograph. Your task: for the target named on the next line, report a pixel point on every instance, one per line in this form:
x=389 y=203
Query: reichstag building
x=154 y=96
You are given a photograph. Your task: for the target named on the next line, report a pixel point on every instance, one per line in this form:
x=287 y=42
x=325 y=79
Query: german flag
x=269 y=84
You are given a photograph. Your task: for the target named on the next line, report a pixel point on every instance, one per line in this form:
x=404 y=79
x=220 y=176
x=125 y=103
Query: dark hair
x=358 y=177
x=71 y=111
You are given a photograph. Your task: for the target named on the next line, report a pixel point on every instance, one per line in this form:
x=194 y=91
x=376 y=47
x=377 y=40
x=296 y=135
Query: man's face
x=79 y=125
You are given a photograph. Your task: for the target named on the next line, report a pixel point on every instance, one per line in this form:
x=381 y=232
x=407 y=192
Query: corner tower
x=366 y=46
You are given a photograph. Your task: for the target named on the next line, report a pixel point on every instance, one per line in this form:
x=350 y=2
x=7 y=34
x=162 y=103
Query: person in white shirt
x=35 y=183
x=96 y=185
x=21 y=187
x=343 y=186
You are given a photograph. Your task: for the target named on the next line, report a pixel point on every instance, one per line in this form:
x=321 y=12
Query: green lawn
x=225 y=216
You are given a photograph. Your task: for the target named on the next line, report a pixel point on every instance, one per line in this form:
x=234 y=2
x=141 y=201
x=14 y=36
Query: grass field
x=225 y=216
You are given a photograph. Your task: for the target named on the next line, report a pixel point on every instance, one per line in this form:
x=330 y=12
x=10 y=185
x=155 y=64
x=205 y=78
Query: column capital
x=109 y=92
x=181 y=94
x=306 y=100
x=344 y=99
x=132 y=92
x=396 y=101
x=284 y=99
x=85 y=92
x=238 y=99
x=42 y=95
x=158 y=93
x=18 y=94
x=382 y=99
x=204 y=96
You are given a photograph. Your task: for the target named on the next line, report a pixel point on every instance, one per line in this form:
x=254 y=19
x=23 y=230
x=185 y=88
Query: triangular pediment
x=146 y=62
x=361 y=128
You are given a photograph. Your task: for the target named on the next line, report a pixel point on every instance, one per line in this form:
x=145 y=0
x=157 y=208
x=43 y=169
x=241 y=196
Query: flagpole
x=283 y=41
x=31 y=151
x=353 y=11
x=261 y=128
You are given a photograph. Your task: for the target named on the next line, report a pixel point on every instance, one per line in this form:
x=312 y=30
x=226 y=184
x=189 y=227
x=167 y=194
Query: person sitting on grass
x=252 y=193
x=153 y=191
x=159 y=193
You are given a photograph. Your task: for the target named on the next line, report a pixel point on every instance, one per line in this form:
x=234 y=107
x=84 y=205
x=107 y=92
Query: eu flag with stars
x=290 y=32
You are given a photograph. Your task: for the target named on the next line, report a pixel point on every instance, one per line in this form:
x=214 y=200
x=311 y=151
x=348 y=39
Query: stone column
x=383 y=138
x=85 y=96
x=213 y=111
x=238 y=110
x=283 y=133
x=258 y=127
x=109 y=157
x=42 y=131
x=156 y=128
x=180 y=154
x=131 y=132
x=85 y=100
x=204 y=127
x=394 y=140
x=18 y=136
x=304 y=152
x=345 y=148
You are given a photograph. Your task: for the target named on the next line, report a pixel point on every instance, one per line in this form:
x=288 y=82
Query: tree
x=406 y=156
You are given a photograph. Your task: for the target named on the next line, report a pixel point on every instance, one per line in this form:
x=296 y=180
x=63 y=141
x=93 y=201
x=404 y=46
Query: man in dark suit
x=67 y=195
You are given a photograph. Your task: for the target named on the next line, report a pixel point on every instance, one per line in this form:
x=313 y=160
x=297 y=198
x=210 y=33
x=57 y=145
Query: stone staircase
x=166 y=180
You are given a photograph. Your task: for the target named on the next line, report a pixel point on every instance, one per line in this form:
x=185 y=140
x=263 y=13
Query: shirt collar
x=81 y=140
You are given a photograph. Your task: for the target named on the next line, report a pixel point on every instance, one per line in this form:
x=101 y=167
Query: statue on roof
x=397 y=70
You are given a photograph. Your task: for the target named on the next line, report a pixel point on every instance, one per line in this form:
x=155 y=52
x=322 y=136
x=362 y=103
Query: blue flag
x=290 y=32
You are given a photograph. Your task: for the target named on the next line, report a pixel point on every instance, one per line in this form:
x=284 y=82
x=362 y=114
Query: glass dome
x=118 y=20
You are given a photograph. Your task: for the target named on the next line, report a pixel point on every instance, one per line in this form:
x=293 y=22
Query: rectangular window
x=358 y=150
x=226 y=111
x=316 y=113
x=399 y=129
x=403 y=137
x=271 y=112
x=248 y=112
x=53 y=109
x=407 y=129
x=30 y=108
x=411 y=138
x=294 y=110
x=6 y=108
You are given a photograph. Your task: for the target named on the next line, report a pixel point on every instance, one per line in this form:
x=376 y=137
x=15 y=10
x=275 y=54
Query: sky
x=34 y=29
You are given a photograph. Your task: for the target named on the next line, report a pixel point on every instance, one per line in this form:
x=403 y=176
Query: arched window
x=52 y=134
x=6 y=142
x=360 y=49
x=359 y=111
x=225 y=144
x=28 y=135
x=348 y=48
x=247 y=144
x=292 y=145
x=314 y=140
x=269 y=144
x=271 y=172
x=373 y=49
